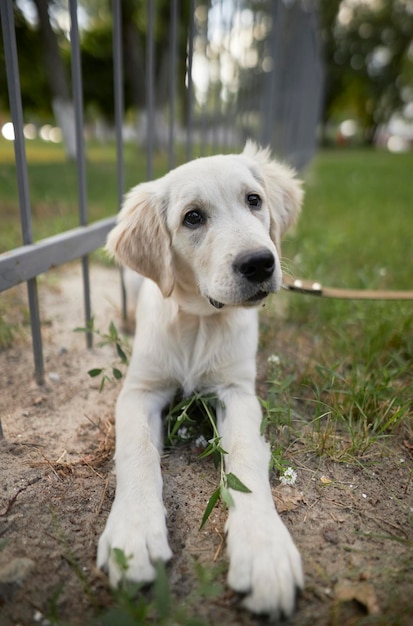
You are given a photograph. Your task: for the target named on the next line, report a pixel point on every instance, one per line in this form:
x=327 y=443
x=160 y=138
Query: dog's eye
x=194 y=219
x=254 y=201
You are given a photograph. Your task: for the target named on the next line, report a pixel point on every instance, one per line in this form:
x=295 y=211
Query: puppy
x=206 y=237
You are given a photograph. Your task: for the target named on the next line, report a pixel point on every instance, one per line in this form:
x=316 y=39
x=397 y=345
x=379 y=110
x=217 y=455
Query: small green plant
x=178 y=418
x=180 y=424
x=6 y=333
x=133 y=606
x=277 y=420
x=132 y=603
x=111 y=338
x=355 y=407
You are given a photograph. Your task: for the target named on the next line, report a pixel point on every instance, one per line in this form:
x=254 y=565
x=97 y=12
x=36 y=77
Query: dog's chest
x=205 y=354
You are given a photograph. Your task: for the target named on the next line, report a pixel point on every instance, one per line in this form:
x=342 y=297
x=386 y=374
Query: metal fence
x=253 y=69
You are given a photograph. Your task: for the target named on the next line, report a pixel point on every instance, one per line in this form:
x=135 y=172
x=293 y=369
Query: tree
x=33 y=81
x=368 y=58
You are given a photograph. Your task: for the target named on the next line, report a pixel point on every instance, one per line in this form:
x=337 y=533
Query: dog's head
x=211 y=228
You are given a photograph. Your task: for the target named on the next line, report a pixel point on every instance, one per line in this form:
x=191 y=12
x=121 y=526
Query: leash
x=312 y=288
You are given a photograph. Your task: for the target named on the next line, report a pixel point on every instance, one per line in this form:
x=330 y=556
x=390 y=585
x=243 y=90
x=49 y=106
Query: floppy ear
x=283 y=189
x=140 y=240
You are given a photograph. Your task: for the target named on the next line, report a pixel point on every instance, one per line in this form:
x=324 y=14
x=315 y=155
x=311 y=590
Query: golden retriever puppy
x=206 y=237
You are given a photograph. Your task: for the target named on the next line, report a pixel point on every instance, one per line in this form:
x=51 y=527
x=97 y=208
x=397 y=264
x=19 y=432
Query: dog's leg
x=264 y=562
x=136 y=524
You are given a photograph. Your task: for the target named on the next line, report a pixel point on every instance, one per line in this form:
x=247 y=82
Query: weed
x=178 y=419
x=277 y=420
x=111 y=338
x=132 y=603
x=354 y=407
x=6 y=333
x=180 y=425
x=14 y=316
x=132 y=606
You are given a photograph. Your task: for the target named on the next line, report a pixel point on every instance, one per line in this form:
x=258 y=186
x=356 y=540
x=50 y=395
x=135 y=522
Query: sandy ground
x=352 y=522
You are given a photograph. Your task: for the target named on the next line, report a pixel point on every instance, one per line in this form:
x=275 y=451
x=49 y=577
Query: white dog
x=207 y=236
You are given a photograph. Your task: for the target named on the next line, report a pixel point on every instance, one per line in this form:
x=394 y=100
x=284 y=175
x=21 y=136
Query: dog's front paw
x=141 y=536
x=264 y=562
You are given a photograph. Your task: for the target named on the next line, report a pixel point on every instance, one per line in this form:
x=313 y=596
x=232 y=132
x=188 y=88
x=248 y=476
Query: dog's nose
x=255 y=266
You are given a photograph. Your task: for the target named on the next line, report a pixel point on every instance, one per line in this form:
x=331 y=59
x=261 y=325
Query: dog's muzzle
x=256 y=270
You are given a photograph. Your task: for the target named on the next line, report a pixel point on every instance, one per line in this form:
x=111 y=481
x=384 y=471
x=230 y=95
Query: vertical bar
x=190 y=82
x=270 y=115
x=118 y=93
x=228 y=117
x=172 y=79
x=13 y=82
x=216 y=112
x=150 y=92
x=80 y=153
x=119 y=111
x=204 y=125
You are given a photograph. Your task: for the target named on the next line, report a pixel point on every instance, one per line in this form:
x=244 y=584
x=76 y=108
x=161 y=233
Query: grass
x=355 y=231
x=53 y=187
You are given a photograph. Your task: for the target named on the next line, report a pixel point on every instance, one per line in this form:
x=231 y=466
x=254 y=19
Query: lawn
x=357 y=222
x=53 y=187
x=355 y=232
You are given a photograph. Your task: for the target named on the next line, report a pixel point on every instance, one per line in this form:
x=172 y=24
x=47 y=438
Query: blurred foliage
x=368 y=52
x=367 y=49
x=96 y=53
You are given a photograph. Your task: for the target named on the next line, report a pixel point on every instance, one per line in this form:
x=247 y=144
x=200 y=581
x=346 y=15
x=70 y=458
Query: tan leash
x=309 y=287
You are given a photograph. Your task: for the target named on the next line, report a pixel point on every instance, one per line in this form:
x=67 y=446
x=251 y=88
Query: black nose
x=255 y=266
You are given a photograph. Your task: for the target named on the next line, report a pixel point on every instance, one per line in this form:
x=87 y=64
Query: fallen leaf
x=325 y=480
x=362 y=592
x=39 y=400
x=287 y=498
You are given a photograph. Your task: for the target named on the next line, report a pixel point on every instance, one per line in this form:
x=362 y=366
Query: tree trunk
x=62 y=104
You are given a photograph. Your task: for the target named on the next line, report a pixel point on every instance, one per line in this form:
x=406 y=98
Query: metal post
x=119 y=111
x=190 y=82
x=80 y=154
x=150 y=91
x=172 y=79
x=13 y=81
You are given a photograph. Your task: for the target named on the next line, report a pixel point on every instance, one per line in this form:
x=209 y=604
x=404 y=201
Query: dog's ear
x=140 y=240
x=283 y=189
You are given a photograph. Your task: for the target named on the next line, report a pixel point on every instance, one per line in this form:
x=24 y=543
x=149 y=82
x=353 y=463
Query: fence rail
x=272 y=95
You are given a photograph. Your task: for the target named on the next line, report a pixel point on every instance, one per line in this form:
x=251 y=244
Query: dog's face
x=211 y=228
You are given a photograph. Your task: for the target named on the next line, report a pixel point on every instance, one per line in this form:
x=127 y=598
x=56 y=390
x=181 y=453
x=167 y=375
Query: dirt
x=352 y=522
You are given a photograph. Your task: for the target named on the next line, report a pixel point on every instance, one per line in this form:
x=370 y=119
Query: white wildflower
x=273 y=359
x=184 y=433
x=201 y=442
x=289 y=477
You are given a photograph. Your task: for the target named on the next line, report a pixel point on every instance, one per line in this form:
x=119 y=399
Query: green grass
x=356 y=225
x=53 y=187
x=356 y=232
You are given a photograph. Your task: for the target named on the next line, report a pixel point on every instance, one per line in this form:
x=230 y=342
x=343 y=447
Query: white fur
x=184 y=342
